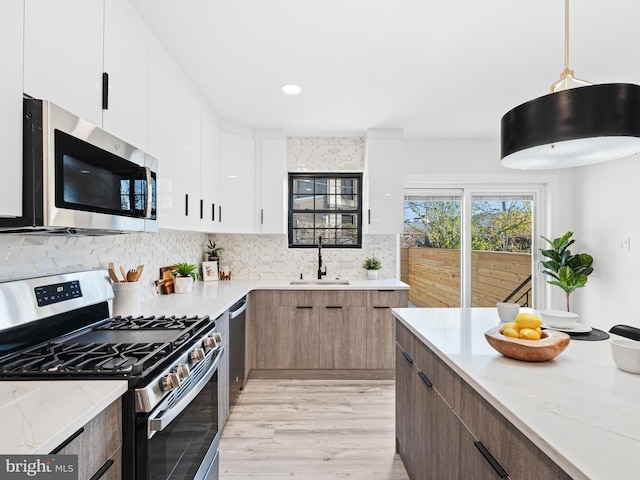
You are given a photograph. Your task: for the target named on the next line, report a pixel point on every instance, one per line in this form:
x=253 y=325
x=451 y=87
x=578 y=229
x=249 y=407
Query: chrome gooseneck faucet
x=320 y=272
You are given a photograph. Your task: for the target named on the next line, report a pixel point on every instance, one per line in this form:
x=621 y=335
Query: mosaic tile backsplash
x=247 y=256
x=268 y=256
x=325 y=154
x=32 y=256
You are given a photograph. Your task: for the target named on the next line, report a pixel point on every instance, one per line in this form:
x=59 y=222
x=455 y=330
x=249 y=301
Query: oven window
x=177 y=452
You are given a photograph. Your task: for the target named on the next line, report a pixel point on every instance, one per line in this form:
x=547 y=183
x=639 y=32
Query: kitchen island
x=578 y=409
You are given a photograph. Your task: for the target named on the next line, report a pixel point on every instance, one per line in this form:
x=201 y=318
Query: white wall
x=607 y=210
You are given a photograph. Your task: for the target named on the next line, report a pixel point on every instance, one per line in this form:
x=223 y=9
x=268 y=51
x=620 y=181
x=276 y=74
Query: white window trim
x=540 y=192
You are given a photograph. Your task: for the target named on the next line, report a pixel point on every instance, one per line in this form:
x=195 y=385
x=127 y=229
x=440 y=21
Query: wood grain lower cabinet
x=98 y=445
x=222 y=323
x=323 y=329
x=449 y=431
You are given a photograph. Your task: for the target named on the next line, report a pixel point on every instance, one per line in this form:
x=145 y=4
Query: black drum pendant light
x=571 y=127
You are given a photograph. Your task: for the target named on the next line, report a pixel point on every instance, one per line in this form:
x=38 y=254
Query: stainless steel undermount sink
x=319 y=282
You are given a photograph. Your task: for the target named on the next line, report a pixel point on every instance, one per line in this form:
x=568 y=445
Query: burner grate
x=141 y=323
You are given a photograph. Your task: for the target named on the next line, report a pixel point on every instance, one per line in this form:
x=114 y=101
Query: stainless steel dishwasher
x=236 y=349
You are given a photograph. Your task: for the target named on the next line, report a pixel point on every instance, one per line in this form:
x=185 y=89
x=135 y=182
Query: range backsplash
x=25 y=256
x=247 y=256
x=268 y=256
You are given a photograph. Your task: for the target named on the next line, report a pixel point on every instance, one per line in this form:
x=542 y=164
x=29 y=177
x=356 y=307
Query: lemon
x=528 y=320
x=510 y=325
x=529 y=334
x=539 y=330
x=510 y=332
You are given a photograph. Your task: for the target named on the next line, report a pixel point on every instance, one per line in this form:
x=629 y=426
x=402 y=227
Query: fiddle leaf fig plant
x=569 y=271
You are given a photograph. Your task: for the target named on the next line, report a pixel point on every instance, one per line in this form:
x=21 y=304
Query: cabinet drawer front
x=388 y=298
x=405 y=338
x=299 y=298
x=344 y=298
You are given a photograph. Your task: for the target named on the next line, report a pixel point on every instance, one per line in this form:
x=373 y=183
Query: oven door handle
x=158 y=424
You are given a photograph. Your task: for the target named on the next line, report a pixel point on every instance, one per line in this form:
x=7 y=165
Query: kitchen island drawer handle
x=103 y=469
x=332 y=306
x=381 y=306
x=407 y=357
x=425 y=379
x=67 y=441
x=492 y=461
x=304 y=306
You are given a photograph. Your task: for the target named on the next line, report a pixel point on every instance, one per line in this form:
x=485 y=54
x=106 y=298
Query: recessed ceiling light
x=291 y=89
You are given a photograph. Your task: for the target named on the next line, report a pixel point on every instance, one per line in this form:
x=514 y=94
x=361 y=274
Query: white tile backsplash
x=325 y=154
x=24 y=256
x=268 y=256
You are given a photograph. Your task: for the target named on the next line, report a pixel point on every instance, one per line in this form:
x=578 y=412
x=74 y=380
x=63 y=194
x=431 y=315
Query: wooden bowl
x=549 y=346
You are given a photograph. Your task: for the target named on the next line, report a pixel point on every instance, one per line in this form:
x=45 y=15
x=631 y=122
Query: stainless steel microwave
x=77 y=178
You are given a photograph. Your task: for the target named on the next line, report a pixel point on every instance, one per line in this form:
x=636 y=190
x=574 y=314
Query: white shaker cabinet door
x=11 y=23
x=236 y=183
x=63 y=54
x=126 y=62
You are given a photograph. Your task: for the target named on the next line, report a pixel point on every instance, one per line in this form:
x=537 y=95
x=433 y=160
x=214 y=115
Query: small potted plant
x=372 y=265
x=185 y=274
x=569 y=271
x=213 y=251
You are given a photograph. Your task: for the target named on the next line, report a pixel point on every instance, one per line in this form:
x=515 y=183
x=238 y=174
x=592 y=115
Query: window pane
x=303 y=187
x=430 y=250
x=501 y=250
x=303 y=220
x=321 y=185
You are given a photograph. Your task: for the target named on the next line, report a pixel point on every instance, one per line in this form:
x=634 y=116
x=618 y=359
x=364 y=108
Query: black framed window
x=327 y=205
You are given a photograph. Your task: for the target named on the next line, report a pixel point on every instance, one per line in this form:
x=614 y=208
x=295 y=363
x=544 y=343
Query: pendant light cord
x=567 y=74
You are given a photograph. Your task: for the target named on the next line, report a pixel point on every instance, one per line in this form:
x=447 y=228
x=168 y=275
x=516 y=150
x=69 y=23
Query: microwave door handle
x=147 y=209
x=158 y=424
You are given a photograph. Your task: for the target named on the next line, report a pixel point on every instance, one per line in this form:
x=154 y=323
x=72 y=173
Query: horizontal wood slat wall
x=434 y=276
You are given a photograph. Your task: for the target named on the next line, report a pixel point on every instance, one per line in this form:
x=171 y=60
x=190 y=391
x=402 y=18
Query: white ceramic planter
x=372 y=274
x=182 y=284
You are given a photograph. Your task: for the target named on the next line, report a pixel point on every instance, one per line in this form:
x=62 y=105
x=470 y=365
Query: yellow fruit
x=539 y=330
x=510 y=325
x=528 y=320
x=510 y=332
x=529 y=334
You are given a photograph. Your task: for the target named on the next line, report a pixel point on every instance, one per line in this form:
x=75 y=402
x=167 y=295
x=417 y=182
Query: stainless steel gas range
x=58 y=327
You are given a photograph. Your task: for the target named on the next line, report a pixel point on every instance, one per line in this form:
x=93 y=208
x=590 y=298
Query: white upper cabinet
x=63 y=42
x=271 y=171
x=384 y=167
x=126 y=62
x=11 y=22
x=174 y=139
x=236 y=187
x=207 y=174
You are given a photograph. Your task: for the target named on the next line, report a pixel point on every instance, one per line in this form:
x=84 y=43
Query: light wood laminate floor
x=312 y=429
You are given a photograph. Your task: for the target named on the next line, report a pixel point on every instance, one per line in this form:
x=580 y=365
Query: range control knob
x=197 y=355
x=182 y=370
x=170 y=382
x=217 y=337
x=209 y=343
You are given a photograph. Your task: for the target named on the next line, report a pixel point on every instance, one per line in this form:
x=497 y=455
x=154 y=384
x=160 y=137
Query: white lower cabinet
x=11 y=45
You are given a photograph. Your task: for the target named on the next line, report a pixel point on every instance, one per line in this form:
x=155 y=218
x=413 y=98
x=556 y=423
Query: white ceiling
x=435 y=68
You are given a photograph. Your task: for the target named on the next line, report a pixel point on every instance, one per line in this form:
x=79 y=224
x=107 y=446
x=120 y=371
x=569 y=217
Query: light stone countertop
x=37 y=416
x=578 y=408
x=214 y=298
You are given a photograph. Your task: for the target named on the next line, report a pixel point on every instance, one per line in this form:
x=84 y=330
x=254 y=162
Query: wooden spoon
x=112 y=275
x=124 y=274
x=132 y=275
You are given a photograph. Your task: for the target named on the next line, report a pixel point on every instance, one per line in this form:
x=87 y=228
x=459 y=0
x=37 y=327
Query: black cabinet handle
x=262 y=216
x=105 y=91
x=186 y=204
x=219 y=213
x=379 y=307
x=492 y=461
x=213 y=212
x=201 y=209
x=103 y=469
x=304 y=306
x=425 y=379
x=67 y=441
x=369 y=213
x=332 y=306
x=407 y=357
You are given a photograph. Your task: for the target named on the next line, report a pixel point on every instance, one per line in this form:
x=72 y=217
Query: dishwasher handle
x=235 y=313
